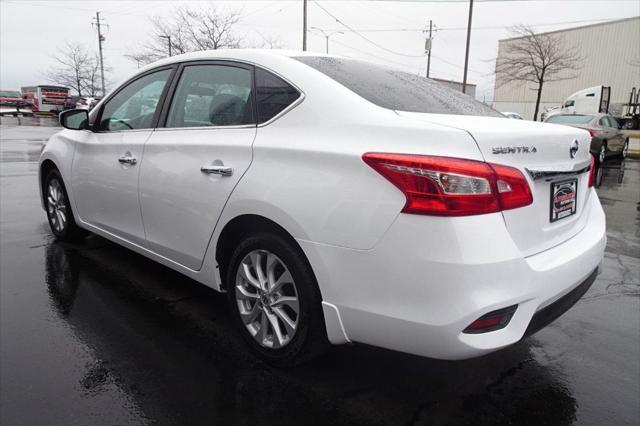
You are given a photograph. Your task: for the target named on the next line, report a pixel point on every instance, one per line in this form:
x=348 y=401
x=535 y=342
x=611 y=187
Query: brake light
x=444 y=186
x=592 y=171
x=592 y=132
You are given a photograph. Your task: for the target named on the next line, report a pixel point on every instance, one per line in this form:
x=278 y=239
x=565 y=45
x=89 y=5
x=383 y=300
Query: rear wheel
x=600 y=166
x=58 y=208
x=275 y=300
x=625 y=149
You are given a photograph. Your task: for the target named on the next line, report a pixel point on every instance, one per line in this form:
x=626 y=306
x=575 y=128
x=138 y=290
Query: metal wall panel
x=611 y=53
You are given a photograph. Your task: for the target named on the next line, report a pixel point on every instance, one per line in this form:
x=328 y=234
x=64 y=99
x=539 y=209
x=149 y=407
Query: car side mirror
x=74 y=119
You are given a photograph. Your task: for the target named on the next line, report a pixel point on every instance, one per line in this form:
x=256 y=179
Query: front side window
x=212 y=95
x=134 y=106
x=273 y=95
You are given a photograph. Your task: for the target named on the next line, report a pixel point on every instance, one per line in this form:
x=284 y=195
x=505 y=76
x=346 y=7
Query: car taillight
x=592 y=171
x=444 y=186
x=592 y=132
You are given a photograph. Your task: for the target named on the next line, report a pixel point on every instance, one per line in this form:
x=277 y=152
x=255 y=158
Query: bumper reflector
x=494 y=320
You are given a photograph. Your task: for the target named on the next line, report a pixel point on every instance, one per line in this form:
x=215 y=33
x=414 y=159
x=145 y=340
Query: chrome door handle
x=217 y=170
x=127 y=159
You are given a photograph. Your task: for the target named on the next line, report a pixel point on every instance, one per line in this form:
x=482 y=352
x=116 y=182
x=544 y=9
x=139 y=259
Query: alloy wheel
x=625 y=149
x=267 y=299
x=56 y=206
x=602 y=154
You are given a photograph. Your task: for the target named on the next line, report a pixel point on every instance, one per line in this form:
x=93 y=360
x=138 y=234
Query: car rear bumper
x=547 y=315
x=429 y=278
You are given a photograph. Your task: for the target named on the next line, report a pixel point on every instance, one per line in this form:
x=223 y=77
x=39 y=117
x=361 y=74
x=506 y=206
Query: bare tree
x=536 y=58
x=269 y=41
x=71 y=69
x=77 y=68
x=190 y=30
x=92 y=84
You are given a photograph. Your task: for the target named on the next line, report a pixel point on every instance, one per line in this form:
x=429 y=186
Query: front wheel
x=58 y=207
x=274 y=298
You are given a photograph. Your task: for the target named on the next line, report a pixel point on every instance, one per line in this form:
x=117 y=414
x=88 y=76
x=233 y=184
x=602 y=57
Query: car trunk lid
x=542 y=153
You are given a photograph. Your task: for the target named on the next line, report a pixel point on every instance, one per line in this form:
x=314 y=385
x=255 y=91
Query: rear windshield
x=397 y=90
x=9 y=94
x=570 y=119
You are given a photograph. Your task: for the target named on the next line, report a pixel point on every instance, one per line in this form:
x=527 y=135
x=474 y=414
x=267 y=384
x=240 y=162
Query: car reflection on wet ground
x=92 y=333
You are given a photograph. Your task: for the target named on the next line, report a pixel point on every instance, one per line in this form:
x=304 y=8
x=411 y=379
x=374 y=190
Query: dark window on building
x=397 y=90
x=273 y=95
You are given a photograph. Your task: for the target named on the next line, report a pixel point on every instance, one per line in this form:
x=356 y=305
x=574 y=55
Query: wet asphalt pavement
x=94 y=334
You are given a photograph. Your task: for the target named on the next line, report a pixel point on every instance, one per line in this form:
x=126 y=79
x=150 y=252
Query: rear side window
x=212 y=95
x=397 y=90
x=273 y=95
x=604 y=121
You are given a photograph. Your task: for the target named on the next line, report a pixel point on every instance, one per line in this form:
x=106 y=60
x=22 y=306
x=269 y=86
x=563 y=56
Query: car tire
x=278 y=315
x=625 y=149
x=58 y=208
x=600 y=158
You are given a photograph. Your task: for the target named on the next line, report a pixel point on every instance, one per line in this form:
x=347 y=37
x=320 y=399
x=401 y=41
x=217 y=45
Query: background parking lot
x=92 y=333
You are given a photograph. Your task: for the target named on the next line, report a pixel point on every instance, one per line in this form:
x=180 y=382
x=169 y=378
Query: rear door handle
x=127 y=159
x=217 y=170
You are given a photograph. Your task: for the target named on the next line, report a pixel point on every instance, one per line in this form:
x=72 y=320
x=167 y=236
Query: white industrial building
x=611 y=57
x=457 y=86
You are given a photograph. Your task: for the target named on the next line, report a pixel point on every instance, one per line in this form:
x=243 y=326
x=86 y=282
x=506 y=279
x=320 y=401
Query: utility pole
x=101 y=38
x=428 y=46
x=304 y=26
x=168 y=38
x=466 y=55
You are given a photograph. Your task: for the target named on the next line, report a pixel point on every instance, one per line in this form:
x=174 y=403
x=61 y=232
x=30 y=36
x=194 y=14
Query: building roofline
x=451 y=81
x=615 y=21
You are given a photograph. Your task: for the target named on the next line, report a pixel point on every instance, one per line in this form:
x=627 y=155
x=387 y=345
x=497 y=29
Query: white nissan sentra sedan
x=334 y=201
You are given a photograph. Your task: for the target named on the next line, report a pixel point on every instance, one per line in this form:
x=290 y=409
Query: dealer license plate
x=563 y=199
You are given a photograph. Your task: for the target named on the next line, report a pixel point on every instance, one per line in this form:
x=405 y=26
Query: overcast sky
x=31 y=31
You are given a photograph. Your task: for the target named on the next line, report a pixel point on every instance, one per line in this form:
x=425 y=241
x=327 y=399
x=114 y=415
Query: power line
x=495 y=27
x=373 y=55
x=21 y=3
x=260 y=9
x=363 y=37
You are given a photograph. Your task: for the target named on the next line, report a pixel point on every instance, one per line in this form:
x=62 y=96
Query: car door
x=605 y=131
x=617 y=137
x=192 y=164
x=106 y=163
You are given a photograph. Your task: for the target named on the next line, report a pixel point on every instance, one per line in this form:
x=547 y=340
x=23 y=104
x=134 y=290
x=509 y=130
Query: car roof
x=248 y=55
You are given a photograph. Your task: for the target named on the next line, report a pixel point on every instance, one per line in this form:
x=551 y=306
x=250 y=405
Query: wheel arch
x=46 y=166
x=246 y=224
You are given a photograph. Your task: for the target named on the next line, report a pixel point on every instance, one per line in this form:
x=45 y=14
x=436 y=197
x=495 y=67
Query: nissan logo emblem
x=573 y=149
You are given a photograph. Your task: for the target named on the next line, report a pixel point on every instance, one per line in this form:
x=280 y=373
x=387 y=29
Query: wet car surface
x=92 y=333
